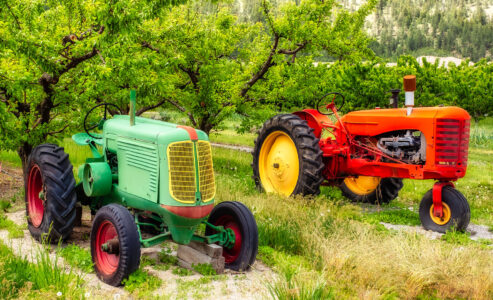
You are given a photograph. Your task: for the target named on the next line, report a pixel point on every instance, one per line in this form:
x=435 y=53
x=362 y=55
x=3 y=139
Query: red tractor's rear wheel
x=50 y=194
x=369 y=189
x=237 y=217
x=456 y=211
x=287 y=159
x=115 y=244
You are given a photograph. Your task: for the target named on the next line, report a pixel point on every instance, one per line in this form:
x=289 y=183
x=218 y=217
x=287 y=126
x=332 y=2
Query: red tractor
x=367 y=153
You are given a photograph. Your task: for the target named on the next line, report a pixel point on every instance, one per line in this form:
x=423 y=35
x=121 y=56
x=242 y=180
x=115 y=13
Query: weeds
x=77 y=257
x=22 y=279
x=182 y=271
x=141 y=283
x=204 y=269
x=15 y=231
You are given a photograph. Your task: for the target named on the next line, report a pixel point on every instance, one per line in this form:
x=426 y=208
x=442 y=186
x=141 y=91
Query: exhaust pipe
x=409 y=88
x=131 y=113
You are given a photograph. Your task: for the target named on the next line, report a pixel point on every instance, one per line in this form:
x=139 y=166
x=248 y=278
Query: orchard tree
x=215 y=65
x=51 y=55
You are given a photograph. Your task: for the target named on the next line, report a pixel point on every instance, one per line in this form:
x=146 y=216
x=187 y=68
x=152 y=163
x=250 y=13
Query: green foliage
x=393 y=216
x=166 y=257
x=15 y=231
x=290 y=289
x=77 y=257
x=424 y=27
x=204 y=269
x=182 y=271
x=141 y=283
x=21 y=278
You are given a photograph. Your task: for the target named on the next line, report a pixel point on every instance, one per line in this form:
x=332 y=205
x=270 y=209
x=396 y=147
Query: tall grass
x=327 y=237
x=46 y=277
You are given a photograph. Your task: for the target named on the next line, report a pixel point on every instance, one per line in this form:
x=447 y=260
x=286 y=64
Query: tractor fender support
x=437 y=197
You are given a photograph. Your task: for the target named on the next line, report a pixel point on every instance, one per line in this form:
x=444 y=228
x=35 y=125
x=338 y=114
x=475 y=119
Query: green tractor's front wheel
x=115 y=245
x=237 y=217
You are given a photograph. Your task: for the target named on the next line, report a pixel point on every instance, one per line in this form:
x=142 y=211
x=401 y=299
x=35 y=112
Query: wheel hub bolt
x=276 y=165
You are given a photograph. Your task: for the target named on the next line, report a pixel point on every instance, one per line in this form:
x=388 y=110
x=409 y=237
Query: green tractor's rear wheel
x=456 y=211
x=369 y=189
x=50 y=194
x=287 y=159
x=236 y=216
x=115 y=245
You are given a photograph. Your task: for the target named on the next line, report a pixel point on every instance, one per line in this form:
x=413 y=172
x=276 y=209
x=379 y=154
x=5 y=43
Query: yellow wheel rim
x=362 y=185
x=446 y=214
x=279 y=166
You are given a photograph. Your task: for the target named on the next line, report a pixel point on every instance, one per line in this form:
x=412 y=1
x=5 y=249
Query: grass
x=77 y=257
x=15 y=231
x=329 y=238
x=141 y=283
x=46 y=278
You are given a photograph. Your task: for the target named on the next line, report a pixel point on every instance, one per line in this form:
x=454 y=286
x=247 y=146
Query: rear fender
x=315 y=120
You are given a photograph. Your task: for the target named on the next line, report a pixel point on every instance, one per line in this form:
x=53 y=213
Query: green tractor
x=152 y=181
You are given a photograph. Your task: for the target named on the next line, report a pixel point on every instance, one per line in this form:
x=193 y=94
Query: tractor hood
x=377 y=121
x=153 y=131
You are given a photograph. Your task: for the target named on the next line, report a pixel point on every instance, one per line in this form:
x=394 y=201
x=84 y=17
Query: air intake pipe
x=409 y=88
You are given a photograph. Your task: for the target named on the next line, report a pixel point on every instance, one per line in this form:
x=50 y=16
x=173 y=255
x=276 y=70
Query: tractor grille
x=452 y=142
x=206 y=172
x=181 y=163
x=182 y=171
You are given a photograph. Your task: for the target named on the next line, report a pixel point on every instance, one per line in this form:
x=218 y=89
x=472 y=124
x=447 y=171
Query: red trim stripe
x=192 y=212
x=191 y=132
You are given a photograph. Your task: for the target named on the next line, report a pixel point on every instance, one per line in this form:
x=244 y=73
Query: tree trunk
x=24 y=151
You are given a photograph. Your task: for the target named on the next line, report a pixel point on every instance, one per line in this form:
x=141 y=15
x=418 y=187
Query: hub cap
x=227 y=221
x=107 y=263
x=362 y=185
x=35 y=196
x=279 y=164
x=446 y=214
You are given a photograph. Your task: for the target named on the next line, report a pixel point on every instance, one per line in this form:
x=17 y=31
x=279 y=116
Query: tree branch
x=182 y=109
x=263 y=69
x=13 y=15
x=58 y=131
x=149 y=46
x=146 y=108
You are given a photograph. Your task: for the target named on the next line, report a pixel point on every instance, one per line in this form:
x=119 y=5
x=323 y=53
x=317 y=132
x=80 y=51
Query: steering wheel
x=99 y=124
x=332 y=103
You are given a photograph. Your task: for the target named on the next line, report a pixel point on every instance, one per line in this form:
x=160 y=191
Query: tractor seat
x=83 y=138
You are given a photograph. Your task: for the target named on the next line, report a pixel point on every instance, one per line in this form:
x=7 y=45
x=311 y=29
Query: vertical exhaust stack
x=132 y=107
x=409 y=88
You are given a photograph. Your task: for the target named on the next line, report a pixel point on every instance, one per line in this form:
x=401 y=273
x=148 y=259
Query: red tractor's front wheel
x=50 y=193
x=237 y=217
x=115 y=245
x=456 y=211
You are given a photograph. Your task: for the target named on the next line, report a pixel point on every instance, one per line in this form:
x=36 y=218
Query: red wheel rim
x=231 y=254
x=105 y=262
x=35 y=205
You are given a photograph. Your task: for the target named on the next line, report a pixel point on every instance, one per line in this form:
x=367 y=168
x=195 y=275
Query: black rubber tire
x=129 y=243
x=248 y=227
x=60 y=198
x=460 y=211
x=387 y=190
x=309 y=153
